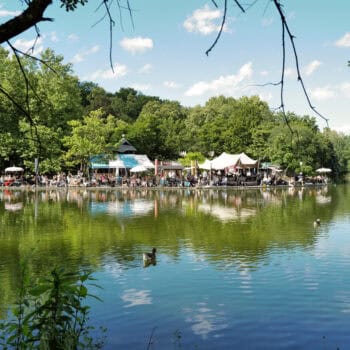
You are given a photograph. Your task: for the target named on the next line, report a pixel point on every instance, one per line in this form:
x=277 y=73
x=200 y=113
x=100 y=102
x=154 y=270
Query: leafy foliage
x=50 y=315
x=190 y=157
x=91 y=136
x=71 y=5
x=73 y=120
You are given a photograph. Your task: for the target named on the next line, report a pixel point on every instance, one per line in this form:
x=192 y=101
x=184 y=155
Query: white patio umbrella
x=324 y=170
x=138 y=169
x=13 y=169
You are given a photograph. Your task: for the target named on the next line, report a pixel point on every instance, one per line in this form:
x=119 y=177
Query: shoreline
x=157 y=188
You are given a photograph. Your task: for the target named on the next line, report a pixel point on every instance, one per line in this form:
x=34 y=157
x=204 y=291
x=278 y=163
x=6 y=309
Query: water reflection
x=14 y=206
x=133 y=297
x=99 y=228
x=236 y=268
x=227 y=213
x=125 y=208
x=205 y=320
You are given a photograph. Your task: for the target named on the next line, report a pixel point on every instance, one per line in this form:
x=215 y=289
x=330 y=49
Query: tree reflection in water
x=88 y=227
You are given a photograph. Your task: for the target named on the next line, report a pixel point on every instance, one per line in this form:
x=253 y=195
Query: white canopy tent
x=246 y=161
x=130 y=161
x=139 y=169
x=226 y=160
x=207 y=165
x=117 y=164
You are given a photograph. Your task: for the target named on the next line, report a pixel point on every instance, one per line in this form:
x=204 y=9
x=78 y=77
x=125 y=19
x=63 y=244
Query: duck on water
x=150 y=258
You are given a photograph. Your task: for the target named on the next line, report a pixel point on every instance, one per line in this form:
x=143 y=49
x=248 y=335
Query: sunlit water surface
x=235 y=269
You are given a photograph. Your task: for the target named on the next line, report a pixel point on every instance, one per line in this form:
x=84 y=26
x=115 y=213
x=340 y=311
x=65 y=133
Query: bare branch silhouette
x=239 y=5
x=285 y=27
x=111 y=25
x=220 y=31
x=285 y=31
x=34 y=15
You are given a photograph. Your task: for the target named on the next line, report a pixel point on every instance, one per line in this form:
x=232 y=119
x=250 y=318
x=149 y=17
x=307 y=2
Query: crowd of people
x=166 y=179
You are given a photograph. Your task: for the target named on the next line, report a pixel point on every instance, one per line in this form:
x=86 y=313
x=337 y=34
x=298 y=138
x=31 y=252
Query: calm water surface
x=235 y=269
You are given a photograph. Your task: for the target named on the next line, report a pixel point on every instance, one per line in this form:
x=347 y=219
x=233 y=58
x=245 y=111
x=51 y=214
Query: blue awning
x=129 y=160
x=99 y=162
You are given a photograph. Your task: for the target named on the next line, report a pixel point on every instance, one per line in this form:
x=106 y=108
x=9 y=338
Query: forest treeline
x=68 y=120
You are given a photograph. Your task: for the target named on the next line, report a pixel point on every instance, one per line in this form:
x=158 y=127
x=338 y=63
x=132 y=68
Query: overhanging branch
x=29 y=18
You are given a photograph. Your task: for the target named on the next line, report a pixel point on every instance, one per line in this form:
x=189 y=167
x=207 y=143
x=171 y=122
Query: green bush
x=51 y=315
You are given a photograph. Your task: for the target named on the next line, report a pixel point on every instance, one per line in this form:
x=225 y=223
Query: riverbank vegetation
x=50 y=313
x=71 y=120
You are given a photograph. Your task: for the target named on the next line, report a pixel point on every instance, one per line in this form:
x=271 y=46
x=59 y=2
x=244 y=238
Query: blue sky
x=164 y=53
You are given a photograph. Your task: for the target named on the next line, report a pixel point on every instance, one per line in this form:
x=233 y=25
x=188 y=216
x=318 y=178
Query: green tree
x=60 y=96
x=304 y=150
x=46 y=147
x=53 y=100
x=158 y=130
x=192 y=156
x=90 y=136
x=226 y=124
x=341 y=146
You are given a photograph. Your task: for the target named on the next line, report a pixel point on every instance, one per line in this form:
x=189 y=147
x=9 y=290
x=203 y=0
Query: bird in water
x=317 y=222
x=149 y=258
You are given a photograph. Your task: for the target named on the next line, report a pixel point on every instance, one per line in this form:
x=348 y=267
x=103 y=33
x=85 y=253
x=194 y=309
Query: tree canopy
x=78 y=119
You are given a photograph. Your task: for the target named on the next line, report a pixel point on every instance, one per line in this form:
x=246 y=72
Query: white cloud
x=266 y=22
x=73 y=37
x=343 y=41
x=79 y=57
x=312 y=66
x=145 y=69
x=345 y=89
x=141 y=87
x=171 y=84
x=119 y=71
x=27 y=45
x=322 y=93
x=204 y=21
x=290 y=72
x=223 y=85
x=264 y=73
x=291 y=15
x=344 y=129
x=266 y=96
x=54 y=37
x=136 y=45
x=7 y=13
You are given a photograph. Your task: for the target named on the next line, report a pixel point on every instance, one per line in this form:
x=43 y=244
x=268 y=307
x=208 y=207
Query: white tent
x=138 y=169
x=225 y=160
x=246 y=161
x=117 y=164
x=207 y=165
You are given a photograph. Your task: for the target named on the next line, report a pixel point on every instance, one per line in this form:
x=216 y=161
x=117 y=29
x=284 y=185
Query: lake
x=236 y=269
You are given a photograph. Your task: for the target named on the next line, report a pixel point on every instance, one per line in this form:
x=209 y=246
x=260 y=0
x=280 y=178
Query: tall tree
x=90 y=137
